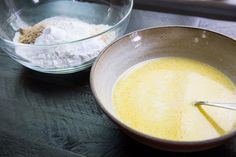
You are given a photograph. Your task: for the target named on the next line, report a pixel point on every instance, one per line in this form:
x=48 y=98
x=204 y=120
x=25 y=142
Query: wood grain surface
x=45 y=115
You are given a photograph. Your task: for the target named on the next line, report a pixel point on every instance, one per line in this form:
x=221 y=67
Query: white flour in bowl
x=61 y=29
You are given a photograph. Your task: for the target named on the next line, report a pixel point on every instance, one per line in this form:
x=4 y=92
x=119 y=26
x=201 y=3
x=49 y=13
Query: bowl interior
x=16 y=14
x=205 y=46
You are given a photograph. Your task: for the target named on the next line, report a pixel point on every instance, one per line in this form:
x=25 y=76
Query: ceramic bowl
x=206 y=46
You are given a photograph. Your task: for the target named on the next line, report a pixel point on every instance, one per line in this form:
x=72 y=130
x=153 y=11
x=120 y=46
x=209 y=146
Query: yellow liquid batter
x=156 y=97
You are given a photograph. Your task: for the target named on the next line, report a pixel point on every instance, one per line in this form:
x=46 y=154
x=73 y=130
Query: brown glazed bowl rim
x=136 y=132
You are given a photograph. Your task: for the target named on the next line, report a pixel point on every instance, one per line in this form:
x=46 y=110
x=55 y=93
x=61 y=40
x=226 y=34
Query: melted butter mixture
x=156 y=97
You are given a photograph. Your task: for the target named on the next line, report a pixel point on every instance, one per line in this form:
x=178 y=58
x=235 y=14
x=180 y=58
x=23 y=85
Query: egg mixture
x=157 y=97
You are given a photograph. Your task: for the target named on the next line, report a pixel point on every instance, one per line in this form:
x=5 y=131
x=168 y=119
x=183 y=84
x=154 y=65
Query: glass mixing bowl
x=16 y=14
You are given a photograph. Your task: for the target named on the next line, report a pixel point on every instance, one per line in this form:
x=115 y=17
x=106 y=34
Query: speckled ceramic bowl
x=209 y=47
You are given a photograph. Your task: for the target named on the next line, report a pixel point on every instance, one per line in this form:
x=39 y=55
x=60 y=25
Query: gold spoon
x=231 y=106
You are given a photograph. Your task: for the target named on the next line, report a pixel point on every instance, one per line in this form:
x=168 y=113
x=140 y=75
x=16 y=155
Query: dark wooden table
x=56 y=115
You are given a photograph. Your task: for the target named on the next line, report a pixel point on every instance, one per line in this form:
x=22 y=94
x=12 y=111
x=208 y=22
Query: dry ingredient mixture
x=56 y=30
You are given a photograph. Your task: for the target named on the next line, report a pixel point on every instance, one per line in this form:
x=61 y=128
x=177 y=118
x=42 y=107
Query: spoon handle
x=231 y=106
